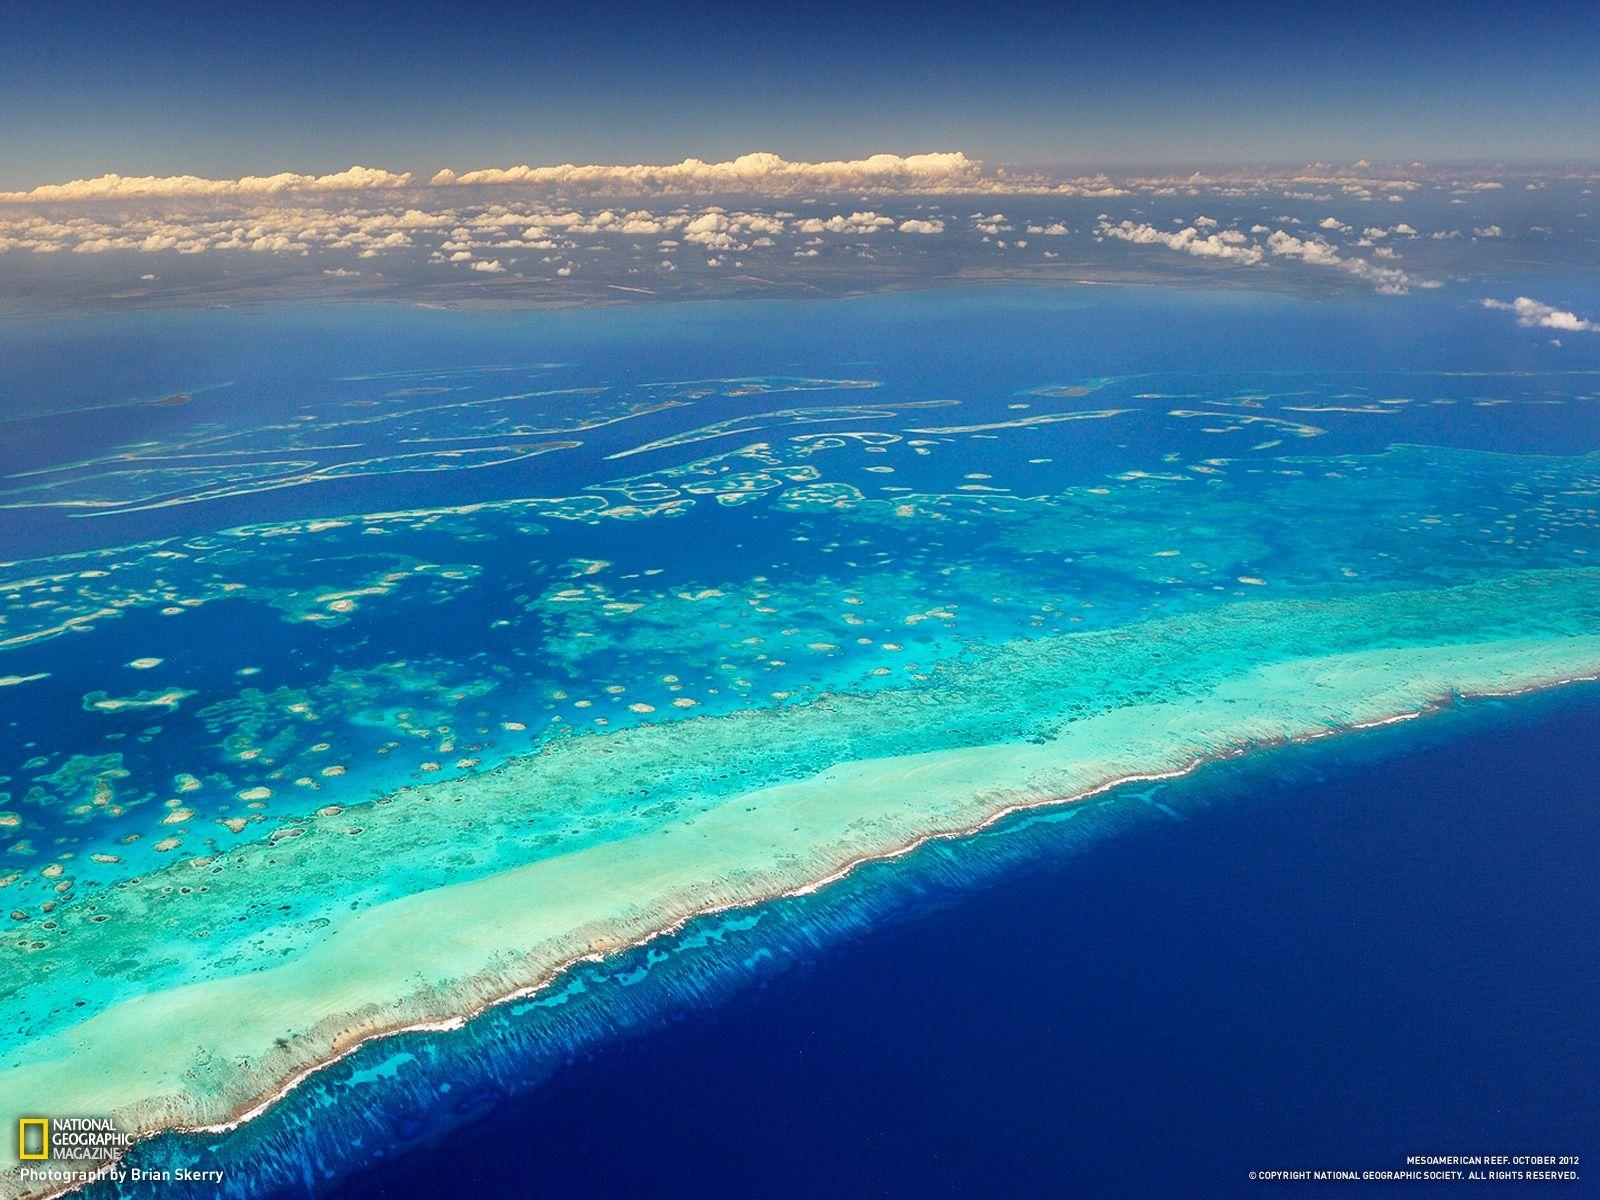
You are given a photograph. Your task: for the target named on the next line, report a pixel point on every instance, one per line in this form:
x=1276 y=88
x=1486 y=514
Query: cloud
x=856 y=222
x=1535 y=314
x=1187 y=239
x=1311 y=250
x=138 y=187
x=1389 y=280
x=715 y=228
x=761 y=173
x=768 y=174
x=1232 y=246
x=711 y=231
x=404 y=230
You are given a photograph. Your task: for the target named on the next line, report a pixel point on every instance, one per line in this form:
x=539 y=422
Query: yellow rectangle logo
x=25 y=1126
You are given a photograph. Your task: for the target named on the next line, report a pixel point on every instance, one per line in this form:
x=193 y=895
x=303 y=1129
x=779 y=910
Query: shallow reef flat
x=174 y=999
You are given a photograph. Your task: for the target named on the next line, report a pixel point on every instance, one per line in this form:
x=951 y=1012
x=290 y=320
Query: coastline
x=358 y=1040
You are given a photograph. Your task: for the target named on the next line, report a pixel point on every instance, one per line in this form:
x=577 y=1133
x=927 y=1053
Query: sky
x=173 y=86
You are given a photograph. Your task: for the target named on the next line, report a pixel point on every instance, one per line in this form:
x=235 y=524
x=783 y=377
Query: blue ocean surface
x=1329 y=956
x=1333 y=960
x=263 y=571
x=190 y=448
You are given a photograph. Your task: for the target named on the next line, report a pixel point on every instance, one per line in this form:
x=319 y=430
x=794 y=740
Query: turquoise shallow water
x=1026 y=998
x=266 y=569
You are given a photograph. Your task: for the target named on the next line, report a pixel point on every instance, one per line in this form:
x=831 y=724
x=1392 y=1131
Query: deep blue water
x=78 y=388
x=1324 y=970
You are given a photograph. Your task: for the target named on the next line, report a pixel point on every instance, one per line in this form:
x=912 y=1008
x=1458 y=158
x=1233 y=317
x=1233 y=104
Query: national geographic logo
x=40 y=1139
x=33 y=1139
x=80 y=1150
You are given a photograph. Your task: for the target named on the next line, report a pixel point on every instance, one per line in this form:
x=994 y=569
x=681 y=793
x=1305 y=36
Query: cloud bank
x=768 y=174
x=142 y=187
x=891 y=218
x=760 y=174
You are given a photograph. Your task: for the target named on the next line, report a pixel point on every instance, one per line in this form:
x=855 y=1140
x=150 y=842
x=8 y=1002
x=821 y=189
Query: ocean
x=1321 y=957
x=364 y=664
x=1334 y=960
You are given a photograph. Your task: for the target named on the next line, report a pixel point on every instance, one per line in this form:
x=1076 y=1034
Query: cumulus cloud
x=917 y=225
x=1311 y=250
x=1535 y=314
x=761 y=173
x=1390 y=280
x=710 y=230
x=717 y=229
x=1229 y=246
x=856 y=222
x=765 y=173
x=138 y=187
x=1232 y=246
